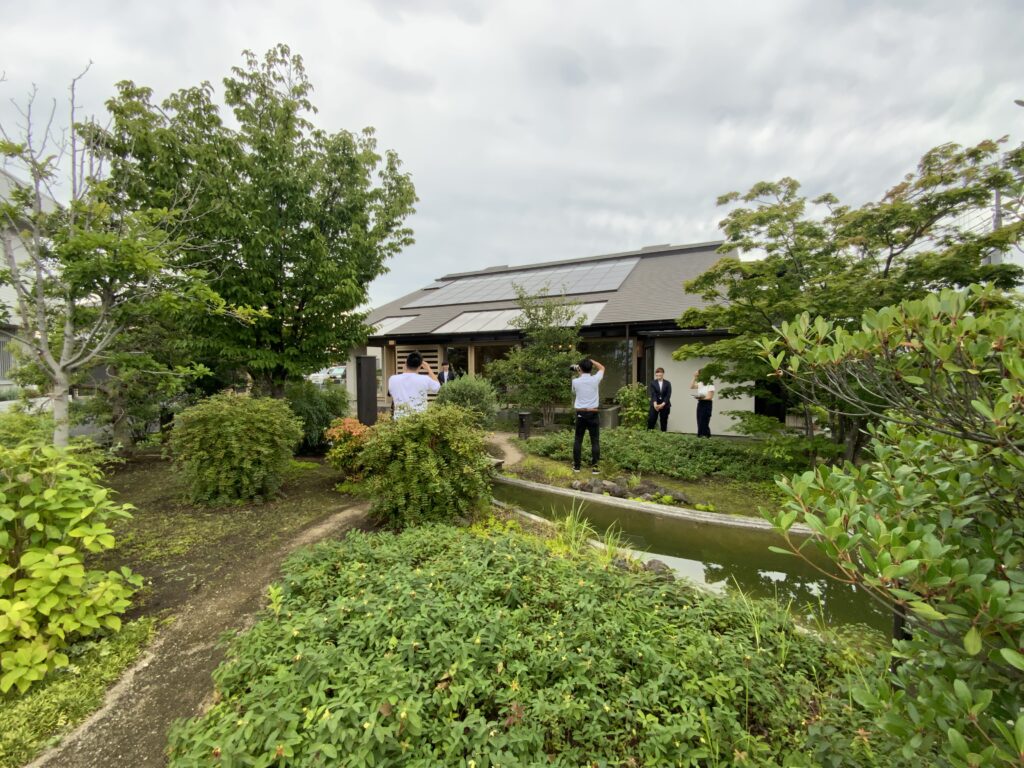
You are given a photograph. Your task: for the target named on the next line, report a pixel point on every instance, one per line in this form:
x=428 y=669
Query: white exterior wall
x=683 y=417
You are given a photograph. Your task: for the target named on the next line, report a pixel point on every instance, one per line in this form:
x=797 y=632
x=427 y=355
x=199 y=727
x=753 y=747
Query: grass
x=32 y=722
x=167 y=529
x=731 y=497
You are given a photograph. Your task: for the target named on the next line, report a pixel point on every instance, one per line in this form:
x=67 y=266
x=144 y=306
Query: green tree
x=537 y=375
x=294 y=222
x=932 y=522
x=85 y=270
x=930 y=231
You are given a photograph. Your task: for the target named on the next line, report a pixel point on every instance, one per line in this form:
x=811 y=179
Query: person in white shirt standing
x=410 y=388
x=587 y=420
x=705 y=394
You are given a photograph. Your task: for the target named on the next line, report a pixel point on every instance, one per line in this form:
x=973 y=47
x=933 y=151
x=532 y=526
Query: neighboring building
x=8 y=298
x=631 y=302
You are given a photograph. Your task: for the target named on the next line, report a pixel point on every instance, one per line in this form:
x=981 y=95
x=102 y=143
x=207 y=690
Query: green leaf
x=1013 y=658
x=926 y=611
x=972 y=642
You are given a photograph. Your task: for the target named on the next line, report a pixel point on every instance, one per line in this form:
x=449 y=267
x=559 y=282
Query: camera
x=574 y=368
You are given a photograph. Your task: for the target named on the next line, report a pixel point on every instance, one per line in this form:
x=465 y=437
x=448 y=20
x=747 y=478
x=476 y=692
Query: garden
x=414 y=621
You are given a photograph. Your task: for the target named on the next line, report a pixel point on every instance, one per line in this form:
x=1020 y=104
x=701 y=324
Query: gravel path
x=172 y=680
x=512 y=454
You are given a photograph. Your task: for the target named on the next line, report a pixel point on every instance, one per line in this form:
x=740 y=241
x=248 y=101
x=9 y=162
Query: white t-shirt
x=409 y=391
x=703 y=390
x=585 y=387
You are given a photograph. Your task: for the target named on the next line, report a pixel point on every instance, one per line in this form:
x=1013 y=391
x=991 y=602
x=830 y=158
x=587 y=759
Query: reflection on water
x=719 y=556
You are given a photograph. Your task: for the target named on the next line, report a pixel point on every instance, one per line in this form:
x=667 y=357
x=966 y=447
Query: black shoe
x=575 y=469
x=595 y=471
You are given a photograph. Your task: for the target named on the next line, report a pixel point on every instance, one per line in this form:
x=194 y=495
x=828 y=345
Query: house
x=630 y=300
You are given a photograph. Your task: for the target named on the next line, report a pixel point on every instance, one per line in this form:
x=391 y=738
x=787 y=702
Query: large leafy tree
x=932 y=522
x=932 y=230
x=86 y=263
x=294 y=222
x=537 y=374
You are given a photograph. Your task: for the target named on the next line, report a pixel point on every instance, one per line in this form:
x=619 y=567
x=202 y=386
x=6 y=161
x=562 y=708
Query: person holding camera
x=585 y=387
x=659 y=392
x=409 y=389
x=705 y=394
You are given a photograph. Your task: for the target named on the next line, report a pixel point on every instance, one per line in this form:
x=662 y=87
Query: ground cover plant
x=232 y=447
x=712 y=494
x=684 y=457
x=448 y=646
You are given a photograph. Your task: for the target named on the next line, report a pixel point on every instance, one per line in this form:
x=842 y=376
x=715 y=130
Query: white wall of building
x=683 y=417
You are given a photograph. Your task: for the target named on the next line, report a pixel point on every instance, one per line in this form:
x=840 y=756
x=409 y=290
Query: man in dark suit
x=660 y=393
x=445 y=375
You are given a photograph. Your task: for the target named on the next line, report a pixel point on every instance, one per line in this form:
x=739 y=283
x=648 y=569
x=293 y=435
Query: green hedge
x=666 y=453
x=234 y=447
x=444 y=646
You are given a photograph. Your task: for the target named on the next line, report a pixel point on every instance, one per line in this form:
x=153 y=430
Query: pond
x=716 y=556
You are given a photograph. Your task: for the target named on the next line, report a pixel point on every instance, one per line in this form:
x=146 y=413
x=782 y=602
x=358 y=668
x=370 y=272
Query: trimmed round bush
x=234 y=447
x=428 y=466
x=475 y=395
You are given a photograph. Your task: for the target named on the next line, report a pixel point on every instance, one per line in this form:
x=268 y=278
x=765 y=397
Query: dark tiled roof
x=653 y=290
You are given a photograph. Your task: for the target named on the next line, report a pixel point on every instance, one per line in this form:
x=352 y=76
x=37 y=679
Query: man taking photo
x=585 y=387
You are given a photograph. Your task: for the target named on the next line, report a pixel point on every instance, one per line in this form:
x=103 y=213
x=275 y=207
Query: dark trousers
x=703 y=418
x=653 y=417
x=587 y=422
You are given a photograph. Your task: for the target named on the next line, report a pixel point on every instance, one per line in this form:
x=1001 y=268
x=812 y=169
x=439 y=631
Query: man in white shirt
x=587 y=420
x=409 y=389
x=705 y=394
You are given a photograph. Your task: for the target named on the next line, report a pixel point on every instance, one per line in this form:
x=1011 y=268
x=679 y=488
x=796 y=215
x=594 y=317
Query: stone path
x=172 y=680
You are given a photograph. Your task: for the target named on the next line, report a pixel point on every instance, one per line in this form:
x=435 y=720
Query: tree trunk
x=60 y=395
x=852 y=441
x=120 y=424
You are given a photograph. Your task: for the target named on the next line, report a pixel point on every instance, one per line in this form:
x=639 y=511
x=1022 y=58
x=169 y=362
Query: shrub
x=316 y=408
x=347 y=438
x=634 y=406
x=932 y=522
x=666 y=453
x=53 y=511
x=444 y=646
x=18 y=426
x=781 y=443
x=426 y=466
x=476 y=395
x=233 y=447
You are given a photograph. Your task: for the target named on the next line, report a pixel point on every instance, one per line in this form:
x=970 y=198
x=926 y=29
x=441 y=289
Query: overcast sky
x=548 y=130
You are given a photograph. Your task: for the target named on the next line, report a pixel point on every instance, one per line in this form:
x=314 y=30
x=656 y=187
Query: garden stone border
x=661 y=510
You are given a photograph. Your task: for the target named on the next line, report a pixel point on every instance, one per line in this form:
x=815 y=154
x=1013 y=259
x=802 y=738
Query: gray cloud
x=555 y=130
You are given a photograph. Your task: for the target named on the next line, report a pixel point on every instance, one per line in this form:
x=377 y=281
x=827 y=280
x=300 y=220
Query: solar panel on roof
x=501 y=319
x=584 y=278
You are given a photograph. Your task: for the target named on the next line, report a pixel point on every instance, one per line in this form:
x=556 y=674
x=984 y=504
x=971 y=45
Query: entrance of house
x=457 y=359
